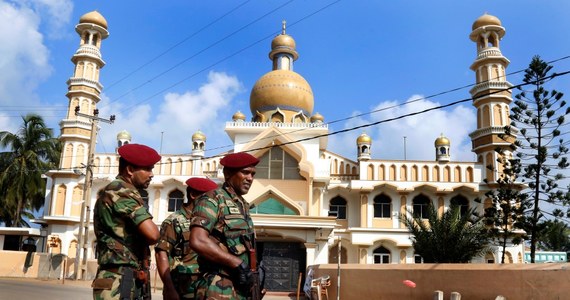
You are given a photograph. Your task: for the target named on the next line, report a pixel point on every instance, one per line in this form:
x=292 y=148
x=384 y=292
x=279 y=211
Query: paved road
x=32 y=289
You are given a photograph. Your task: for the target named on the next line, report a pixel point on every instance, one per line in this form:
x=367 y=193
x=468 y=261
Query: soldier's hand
x=244 y=277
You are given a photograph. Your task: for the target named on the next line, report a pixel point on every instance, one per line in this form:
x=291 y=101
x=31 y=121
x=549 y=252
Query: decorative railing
x=488 y=85
x=88 y=50
x=277 y=124
x=489 y=52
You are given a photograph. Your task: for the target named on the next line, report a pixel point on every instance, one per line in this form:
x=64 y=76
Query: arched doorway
x=283 y=262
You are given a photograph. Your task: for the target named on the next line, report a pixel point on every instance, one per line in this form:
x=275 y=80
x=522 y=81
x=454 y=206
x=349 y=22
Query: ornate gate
x=282 y=263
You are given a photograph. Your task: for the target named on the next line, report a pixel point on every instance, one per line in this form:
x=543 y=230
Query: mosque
x=306 y=200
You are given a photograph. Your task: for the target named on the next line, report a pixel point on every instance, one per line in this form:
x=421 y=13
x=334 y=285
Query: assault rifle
x=257 y=291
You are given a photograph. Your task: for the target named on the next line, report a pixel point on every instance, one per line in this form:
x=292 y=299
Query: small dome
x=238 y=116
x=283 y=43
x=124 y=135
x=199 y=135
x=442 y=141
x=317 y=118
x=364 y=138
x=485 y=20
x=93 y=17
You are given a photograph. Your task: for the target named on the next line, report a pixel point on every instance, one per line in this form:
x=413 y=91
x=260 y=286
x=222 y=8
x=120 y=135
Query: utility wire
x=385 y=120
x=177 y=44
x=196 y=54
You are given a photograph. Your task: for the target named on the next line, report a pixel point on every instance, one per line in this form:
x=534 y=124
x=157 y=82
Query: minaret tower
x=491 y=94
x=84 y=90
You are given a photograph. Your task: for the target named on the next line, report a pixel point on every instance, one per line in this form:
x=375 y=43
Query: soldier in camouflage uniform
x=124 y=228
x=177 y=264
x=221 y=228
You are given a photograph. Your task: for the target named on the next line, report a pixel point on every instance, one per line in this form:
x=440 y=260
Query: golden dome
x=199 y=135
x=124 y=135
x=364 y=138
x=442 y=141
x=317 y=118
x=485 y=20
x=93 y=17
x=281 y=89
x=238 y=116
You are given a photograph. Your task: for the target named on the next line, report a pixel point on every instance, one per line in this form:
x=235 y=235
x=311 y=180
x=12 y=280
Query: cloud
x=55 y=13
x=24 y=57
x=420 y=131
x=177 y=117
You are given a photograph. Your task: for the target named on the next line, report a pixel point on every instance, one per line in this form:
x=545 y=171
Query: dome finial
x=283 y=26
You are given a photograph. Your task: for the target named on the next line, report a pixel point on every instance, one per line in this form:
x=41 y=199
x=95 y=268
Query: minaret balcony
x=75 y=81
x=490 y=86
x=89 y=51
x=492 y=130
x=489 y=52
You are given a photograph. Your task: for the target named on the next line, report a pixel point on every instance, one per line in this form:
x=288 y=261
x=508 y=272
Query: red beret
x=239 y=160
x=139 y=155
x=201 y=184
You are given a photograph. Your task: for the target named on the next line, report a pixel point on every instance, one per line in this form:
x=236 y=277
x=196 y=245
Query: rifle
x=256 y=290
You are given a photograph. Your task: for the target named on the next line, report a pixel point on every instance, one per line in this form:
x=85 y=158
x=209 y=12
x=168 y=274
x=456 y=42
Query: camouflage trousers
x=212 y=286
x=185 y=284
x=107 y=285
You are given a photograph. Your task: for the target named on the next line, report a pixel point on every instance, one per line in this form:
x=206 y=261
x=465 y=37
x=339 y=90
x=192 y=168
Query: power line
x=177 y=44
x=198 y=53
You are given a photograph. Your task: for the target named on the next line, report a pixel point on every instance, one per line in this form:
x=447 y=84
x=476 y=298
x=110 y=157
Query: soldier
x=124 y=228
x=221 y=231
x=177 y=264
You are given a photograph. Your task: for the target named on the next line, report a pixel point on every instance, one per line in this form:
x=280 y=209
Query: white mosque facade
x=306 y=200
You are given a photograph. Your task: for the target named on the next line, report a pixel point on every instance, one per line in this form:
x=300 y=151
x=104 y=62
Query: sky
x=174 y=67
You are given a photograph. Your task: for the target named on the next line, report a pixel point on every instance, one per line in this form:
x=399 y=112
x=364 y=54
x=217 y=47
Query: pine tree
x=539 y=116
x=505 y=217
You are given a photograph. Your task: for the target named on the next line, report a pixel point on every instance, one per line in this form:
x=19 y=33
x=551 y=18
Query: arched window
x=175 y=200
x=338 y=208
x=462 y=202
x=420 y=206
x=381 y=255
x=278 y=164
x=382 y=206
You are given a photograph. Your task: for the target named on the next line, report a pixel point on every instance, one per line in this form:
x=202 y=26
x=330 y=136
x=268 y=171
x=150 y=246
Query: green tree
x=539 y=115
x=505 y=217
x=28 y=154
x=555 y=236
x=452 y=238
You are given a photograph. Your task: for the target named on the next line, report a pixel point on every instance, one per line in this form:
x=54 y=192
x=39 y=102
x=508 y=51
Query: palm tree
x=454 y=237
x=29 y=153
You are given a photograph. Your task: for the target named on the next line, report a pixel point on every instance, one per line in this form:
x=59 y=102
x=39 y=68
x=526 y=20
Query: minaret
x=123 y=138
x=363 y=142
x=442 y=146
x=198 y=144
x=84 y=90
x=491 y=96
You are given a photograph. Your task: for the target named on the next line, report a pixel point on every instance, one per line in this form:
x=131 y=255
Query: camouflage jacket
x=175 y=241
x=225 y=215
x=118 y=211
